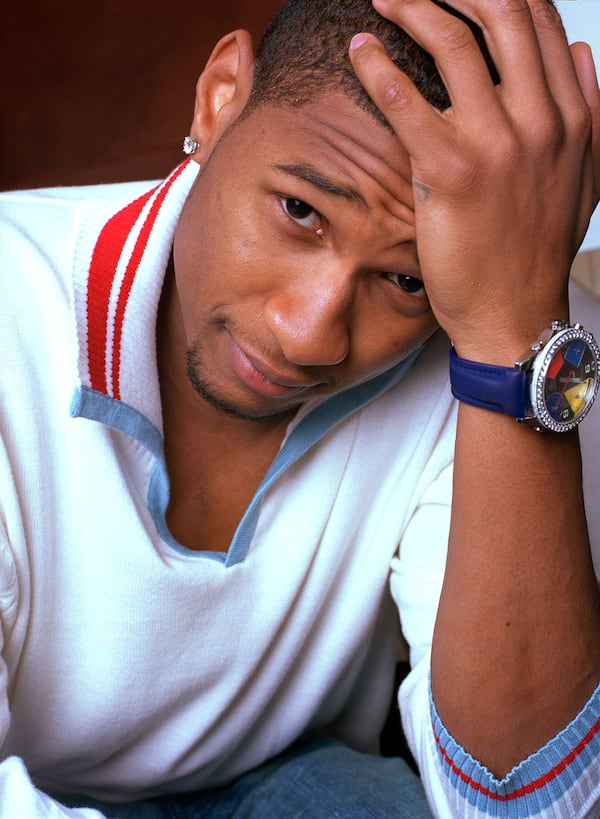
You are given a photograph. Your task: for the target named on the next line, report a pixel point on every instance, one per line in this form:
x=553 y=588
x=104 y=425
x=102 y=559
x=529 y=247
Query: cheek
x=221 y=273
x=387 y=342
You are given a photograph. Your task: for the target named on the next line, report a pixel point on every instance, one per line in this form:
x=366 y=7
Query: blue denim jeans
x=325 y=779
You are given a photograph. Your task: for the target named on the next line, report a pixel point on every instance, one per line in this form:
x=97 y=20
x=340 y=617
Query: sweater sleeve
x=18 y=796
x=560 y=779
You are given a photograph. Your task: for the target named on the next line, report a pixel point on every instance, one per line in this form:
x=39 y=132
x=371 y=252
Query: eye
x=302 y=213
x=410 y=284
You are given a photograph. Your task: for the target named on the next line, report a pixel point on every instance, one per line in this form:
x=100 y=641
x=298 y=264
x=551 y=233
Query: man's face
x=295 y=259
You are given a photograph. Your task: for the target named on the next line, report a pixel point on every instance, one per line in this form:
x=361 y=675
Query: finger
x=586 y=74
x=450 y=41
x=588 y=81
x=556 y=55
x=527 y=42
x=419 y=127
x=512 y=37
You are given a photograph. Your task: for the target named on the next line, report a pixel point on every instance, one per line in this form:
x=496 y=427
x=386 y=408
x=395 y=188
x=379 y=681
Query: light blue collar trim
x=99 y=407
x=309 y=430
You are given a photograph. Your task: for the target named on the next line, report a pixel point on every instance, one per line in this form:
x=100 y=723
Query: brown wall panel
x=103 y=92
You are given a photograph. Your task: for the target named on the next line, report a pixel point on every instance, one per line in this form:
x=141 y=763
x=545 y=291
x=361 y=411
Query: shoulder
x=40 y=197
x=39 y=228
x=43 y=211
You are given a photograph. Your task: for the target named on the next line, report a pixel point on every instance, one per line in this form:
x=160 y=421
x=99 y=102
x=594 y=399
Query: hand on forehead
x=504 y=178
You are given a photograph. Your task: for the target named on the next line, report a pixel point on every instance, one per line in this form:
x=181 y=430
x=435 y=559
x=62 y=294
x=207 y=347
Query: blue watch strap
x=500 y=389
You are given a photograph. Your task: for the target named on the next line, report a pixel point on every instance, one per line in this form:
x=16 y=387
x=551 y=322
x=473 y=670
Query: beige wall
x=586 y=270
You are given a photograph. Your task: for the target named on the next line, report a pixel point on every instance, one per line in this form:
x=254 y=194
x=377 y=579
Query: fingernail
x=358 y=40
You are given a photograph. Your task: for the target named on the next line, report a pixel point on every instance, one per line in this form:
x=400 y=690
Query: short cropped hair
x=304 y=52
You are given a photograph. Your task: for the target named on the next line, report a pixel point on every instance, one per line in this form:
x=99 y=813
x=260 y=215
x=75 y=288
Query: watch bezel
x=539 y=370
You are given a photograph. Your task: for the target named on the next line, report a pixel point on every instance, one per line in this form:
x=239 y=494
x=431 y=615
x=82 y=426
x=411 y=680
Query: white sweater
x=132 y=666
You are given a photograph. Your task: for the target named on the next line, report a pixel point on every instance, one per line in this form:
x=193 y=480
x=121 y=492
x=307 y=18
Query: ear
x=222 y=90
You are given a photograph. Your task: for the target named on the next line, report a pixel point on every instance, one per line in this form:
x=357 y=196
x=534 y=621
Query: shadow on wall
x=104 y=92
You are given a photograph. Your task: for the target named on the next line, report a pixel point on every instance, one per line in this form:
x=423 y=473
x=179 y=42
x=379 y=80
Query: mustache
x=271 y=352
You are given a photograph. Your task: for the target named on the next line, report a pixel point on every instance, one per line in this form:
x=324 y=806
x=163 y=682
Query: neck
x=215 y=461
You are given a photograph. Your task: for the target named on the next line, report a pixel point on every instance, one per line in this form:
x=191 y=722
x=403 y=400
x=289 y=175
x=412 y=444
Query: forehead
x=332 y=144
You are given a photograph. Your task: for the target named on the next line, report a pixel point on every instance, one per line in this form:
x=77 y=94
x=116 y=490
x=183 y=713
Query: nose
x=311 y=320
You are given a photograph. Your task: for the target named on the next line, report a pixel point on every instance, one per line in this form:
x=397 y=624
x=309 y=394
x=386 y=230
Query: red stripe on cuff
x=533 y=786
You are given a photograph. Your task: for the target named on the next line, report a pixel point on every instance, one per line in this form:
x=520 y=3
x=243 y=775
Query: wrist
x=551 y=386
x=502 y=340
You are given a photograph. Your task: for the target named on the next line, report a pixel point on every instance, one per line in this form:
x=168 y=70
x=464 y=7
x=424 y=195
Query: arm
x=503 y=192
x=18 y=796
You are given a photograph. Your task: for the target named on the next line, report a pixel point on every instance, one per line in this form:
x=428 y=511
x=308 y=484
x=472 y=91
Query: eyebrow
x=308 y=173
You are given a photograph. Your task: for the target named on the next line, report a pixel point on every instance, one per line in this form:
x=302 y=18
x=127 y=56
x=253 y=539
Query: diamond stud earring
x=190 y=146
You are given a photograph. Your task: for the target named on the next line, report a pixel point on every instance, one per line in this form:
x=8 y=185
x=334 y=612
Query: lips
x=262 y=378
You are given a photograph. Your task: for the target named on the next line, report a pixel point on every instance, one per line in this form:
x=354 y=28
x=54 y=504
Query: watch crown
x=525 y=360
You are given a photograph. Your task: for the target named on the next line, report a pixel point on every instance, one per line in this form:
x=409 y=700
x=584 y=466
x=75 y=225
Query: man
x=197 y=560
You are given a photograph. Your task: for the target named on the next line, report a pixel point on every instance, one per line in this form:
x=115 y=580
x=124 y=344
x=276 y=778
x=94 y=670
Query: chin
x=234 y=409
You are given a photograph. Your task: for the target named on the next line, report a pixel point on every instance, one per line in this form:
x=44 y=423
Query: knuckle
x=508 y=7
x=507 y=150
x=546 y=132
x=506 y=143
x=552 y=126
x=546 y=16
x=392 y=93
x=464 y=171
x=515 y=14
x=454 y=38
x=582 y=124
x=467 y=176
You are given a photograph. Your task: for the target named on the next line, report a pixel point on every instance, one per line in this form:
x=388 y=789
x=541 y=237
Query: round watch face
x=565 y=382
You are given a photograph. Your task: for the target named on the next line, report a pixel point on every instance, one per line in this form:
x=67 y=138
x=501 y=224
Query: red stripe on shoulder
x=103 y=265
x=129 y=277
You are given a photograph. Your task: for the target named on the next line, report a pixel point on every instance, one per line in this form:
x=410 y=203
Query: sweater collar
x=120 y=266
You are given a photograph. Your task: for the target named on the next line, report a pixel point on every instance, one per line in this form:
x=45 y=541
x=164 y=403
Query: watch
x=551 y=387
